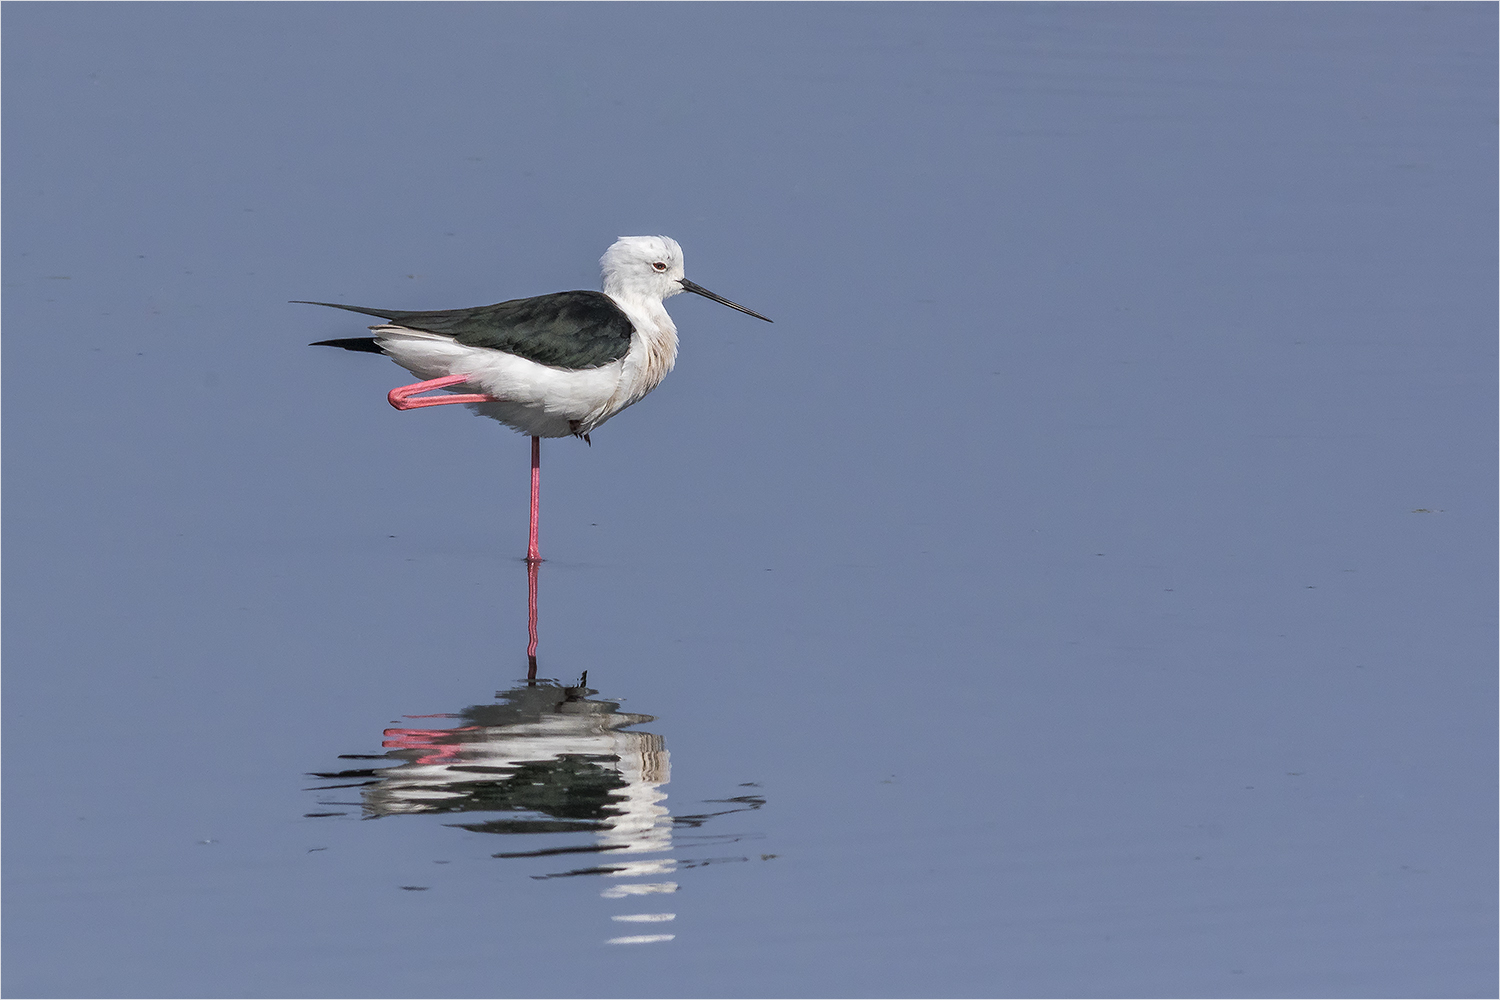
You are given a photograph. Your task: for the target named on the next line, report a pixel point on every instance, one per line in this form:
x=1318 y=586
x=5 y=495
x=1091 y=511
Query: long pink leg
x=533 y=558
x=400 y=397
x=532 y=555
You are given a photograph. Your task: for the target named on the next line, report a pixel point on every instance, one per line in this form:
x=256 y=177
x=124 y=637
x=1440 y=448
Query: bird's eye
x=659 y=265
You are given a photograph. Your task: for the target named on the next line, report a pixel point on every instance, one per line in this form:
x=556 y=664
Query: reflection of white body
x=635 y=822
x=550 y=753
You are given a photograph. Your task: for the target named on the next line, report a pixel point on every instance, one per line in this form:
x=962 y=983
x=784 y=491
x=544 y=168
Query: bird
x=549 y=366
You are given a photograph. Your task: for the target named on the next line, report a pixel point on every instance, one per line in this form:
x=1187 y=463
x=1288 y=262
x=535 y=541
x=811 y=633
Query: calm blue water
x=1085 y=588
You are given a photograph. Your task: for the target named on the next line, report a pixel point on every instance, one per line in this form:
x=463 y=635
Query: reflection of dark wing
x=570 y=787
x=742 y=803
x=564 y=329
x=575 y=792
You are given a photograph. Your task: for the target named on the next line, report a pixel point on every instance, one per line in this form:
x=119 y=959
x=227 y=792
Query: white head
x=650 y=267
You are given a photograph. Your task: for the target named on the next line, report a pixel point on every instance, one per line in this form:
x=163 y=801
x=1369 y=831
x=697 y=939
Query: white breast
x=653 y=350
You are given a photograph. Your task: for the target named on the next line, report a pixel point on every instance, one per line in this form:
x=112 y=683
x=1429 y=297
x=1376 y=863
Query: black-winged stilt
x=548 y=366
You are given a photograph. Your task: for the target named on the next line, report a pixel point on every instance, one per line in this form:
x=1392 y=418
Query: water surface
x=1084 y=588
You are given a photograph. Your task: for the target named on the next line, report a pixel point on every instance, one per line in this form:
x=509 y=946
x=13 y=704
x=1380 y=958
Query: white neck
x=653 y=347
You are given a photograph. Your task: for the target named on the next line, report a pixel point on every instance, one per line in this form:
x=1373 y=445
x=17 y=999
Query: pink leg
x=532 y=555
x=400 y=397
x=533 y=558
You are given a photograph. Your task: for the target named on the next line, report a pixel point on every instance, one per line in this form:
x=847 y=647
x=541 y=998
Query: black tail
x=366 y=344
x=382 y=313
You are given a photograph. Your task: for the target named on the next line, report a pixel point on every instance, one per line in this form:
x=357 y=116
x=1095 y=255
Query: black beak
x=688 y=286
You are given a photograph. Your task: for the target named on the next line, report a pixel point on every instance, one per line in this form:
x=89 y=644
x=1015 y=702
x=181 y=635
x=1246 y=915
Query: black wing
x=564 y=329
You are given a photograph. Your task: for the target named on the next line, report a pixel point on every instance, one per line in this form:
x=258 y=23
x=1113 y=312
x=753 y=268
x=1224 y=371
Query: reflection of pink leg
x=440 y=741
x=400 y=397
x=531 y=568
x=532 y=555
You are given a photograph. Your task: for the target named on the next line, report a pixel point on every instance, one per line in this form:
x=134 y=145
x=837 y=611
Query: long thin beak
x=688 y=286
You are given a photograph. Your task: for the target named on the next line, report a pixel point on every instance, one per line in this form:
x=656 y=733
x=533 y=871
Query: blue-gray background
x=1093 y=565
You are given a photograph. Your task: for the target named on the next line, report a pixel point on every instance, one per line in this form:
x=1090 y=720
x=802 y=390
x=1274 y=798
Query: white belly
x=538 y=400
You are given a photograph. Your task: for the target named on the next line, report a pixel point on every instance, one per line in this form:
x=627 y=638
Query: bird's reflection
x=544 y=758
x=547 y=758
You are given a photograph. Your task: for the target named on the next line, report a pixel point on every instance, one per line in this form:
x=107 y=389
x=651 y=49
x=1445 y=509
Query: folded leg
x=401 y=396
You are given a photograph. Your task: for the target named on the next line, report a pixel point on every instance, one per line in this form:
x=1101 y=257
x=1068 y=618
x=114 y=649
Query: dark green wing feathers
x=564 y=329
